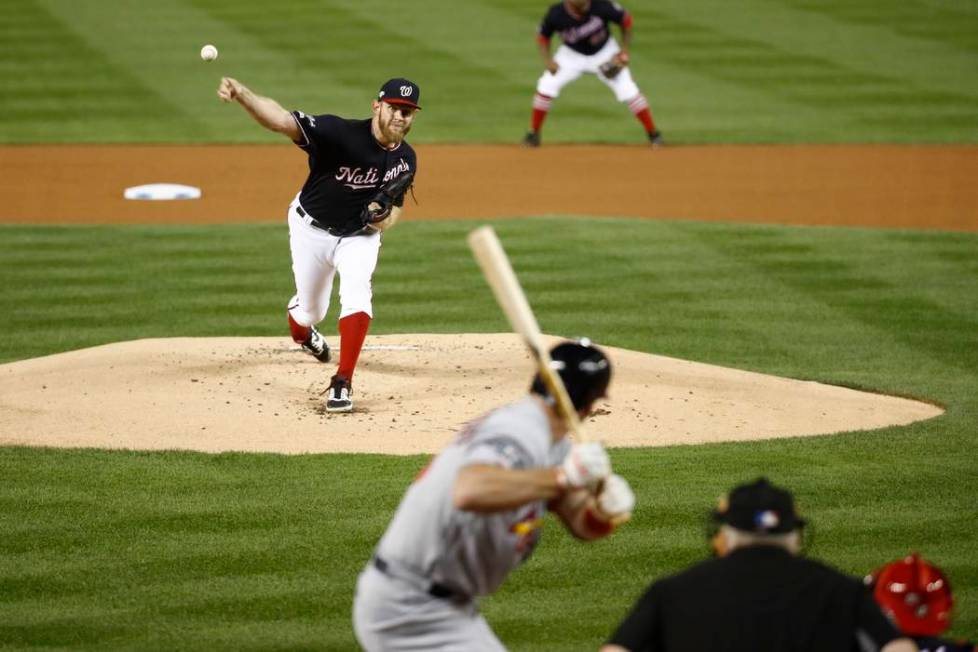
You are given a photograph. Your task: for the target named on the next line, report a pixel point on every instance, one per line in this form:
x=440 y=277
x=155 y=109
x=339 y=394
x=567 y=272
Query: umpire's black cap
x=400 y=91
x=759 y=507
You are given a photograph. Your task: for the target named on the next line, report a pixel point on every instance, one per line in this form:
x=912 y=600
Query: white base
x=162 y=191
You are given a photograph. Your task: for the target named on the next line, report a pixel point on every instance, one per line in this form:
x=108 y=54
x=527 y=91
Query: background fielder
x=336 y=220
x=587 y=47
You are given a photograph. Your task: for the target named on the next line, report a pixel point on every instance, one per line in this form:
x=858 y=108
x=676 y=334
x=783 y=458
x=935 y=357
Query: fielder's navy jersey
x=347 y=166
x=586 y=34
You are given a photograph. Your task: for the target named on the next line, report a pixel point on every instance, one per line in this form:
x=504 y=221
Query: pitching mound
x=411 y=393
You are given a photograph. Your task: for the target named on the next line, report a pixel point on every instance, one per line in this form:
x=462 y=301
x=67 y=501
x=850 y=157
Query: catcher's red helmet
x=915 y=594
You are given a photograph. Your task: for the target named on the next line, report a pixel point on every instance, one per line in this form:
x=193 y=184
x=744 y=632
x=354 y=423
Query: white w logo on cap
x=406 y=91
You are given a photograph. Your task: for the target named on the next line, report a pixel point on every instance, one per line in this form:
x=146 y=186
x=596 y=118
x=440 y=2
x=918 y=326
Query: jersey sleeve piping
x=302 y=129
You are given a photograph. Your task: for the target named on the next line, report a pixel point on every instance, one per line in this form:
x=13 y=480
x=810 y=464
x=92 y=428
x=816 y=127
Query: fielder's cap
x=759 y=507
x=400 y=91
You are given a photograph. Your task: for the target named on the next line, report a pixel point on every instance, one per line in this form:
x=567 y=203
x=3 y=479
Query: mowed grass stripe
x=871 y=100
x=944 y=24
x=162 y=53
x=147 y=560
x=825 y=31
x=845 y=279
x=214 y=277
x=75 y=94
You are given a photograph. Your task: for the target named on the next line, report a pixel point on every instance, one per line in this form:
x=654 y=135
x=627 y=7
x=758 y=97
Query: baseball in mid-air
x=208 y=52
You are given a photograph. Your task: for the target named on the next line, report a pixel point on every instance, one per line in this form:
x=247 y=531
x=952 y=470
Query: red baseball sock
x=353 y=331
x=541 y=105
x=640 y=107
x=300 y=333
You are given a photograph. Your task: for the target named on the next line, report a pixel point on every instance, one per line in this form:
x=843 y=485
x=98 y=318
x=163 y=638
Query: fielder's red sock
x=541 y=105
x=640 y=107
x=353 y=331
x=299 y=332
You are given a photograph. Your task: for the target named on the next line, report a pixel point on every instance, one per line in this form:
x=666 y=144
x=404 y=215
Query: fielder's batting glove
x=585 y=466
x=616 y=497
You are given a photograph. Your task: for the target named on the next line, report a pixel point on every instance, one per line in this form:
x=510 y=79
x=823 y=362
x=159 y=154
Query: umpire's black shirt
x=756 y=599
x=347 y=166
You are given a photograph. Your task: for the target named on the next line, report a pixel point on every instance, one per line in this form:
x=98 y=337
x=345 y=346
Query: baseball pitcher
x=476 y=512
x=587 y=47
x=359 y=171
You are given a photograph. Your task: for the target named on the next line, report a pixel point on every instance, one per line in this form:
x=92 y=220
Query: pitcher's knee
x=304 y=315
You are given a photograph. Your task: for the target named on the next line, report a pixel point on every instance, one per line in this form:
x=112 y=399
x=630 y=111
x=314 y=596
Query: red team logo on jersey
x=528 y=531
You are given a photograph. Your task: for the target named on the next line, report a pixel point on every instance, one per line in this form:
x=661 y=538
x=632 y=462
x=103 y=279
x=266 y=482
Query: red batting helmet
x=915 y=595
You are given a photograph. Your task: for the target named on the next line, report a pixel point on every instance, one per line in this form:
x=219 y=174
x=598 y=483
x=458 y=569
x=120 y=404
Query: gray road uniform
x=419 y=591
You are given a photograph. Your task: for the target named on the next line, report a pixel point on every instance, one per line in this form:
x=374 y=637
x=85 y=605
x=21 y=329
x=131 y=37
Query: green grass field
x=131 y=551
x=751 y=71
x=116 y=550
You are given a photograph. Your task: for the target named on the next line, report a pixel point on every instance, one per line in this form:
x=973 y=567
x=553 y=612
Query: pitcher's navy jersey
x=347 y=166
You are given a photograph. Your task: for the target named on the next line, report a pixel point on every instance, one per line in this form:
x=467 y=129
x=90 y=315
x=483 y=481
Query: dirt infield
x=413 y=391
x=928 y=187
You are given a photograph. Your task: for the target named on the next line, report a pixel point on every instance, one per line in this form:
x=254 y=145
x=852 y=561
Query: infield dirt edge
x=412 y=393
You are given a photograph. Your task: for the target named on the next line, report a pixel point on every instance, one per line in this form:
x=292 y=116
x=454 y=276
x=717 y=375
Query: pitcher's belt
x=332 y=230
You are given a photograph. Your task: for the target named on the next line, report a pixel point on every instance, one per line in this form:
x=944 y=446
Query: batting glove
x=585 y=465
x=616 y=497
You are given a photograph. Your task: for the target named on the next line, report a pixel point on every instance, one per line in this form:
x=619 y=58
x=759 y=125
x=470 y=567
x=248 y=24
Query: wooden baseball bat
x=510 y=297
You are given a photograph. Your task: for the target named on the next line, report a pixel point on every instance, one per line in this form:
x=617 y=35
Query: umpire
x=758 y=594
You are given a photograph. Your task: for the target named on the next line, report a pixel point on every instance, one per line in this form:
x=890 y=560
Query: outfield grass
x=119 y=550
x=715 y=72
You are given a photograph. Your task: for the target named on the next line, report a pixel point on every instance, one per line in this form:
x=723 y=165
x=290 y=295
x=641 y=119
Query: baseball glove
x=611 y=68
x=391 y=193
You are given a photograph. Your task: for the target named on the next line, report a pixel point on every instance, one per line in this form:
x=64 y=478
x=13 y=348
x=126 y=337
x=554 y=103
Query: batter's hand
x=585 y=466
x=229 y=89
x=552 y=67
x=616 y=500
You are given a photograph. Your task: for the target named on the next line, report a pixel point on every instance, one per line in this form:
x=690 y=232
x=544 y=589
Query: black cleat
x=316 y=346
x=532 y=139
x=656 y=139
x=339 y=395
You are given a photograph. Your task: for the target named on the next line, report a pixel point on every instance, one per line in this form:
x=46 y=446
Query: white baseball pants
x=317 y=257
x=574 y=64
x=392 y=616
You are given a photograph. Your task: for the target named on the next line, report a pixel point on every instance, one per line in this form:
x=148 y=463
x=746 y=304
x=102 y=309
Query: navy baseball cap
x=759 y=507
x=400 y=91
